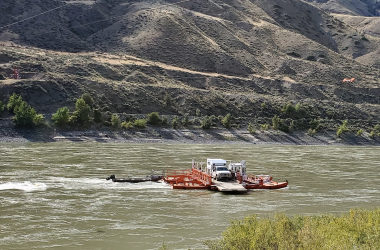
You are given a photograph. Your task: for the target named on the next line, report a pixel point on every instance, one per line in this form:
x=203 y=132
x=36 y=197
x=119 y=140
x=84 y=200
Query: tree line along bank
x=87 y=114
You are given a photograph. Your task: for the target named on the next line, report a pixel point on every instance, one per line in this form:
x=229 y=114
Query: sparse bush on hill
x=251 y=129
x=206 y=122
x=360 y=132
x=61 y=117
x=140 y=123
x=115 y=121
x=154 y=119
x=127 y=125
x=292 y=111
x=226 y=121
x=375 y=131
x=175 y=122
x=358 y=229
x=342 y=128
x=265 y=126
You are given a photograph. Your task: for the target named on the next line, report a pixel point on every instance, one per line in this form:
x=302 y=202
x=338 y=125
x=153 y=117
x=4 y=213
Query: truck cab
x=218 y=170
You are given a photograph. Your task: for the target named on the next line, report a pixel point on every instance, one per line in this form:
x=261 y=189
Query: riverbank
x=169 y=135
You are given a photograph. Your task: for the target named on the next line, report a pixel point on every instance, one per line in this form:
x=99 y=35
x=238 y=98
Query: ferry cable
x=42 y=13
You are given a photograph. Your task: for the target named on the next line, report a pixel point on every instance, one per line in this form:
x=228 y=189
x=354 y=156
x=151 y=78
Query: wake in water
x=26 y=186
x=93 y=183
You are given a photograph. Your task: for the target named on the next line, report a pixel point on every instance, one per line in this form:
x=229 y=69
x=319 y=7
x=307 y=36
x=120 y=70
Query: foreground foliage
x=358 y=229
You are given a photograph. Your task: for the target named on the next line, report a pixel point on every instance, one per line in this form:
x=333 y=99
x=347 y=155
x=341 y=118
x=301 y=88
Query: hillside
x=350 y=7
x=248 y=58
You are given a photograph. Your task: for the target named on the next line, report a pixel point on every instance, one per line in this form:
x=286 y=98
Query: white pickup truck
x=217 y=168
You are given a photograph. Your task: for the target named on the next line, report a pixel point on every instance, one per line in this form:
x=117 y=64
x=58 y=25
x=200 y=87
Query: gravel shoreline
x=196 y=136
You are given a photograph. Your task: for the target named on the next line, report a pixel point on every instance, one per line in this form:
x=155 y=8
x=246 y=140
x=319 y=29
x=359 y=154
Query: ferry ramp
x=229 y=186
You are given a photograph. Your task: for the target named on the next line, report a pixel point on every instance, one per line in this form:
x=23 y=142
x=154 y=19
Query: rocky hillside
x=350 y=7
x=246 y=57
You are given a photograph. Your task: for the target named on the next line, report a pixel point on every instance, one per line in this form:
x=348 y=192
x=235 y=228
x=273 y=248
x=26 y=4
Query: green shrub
x=265 y=126
x=81 y=115
x=175 y=122
x=276 y=122
x=376 y=130
x=14 y=102
x=251 y=129
x=292 y=111
x=115 y=121
x=360 y=132
x=342 y=128
x=127 y=125
x=38 y=119
x=140 y=123
x=206 y=123
x=26 y=116
x=88 y=99
x=226 y=121
x=358 y=229
x=61 y=117
x=154 y=119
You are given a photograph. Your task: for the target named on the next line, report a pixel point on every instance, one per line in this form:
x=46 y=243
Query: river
x=54 y=195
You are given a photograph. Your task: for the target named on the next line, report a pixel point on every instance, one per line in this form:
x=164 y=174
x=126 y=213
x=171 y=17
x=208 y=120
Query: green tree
x=115 y=121
x=226 y=121
x=14 y=102
x=154 y=119
x=88 y=99
x=26 y=116
x=61 y=117
x=81 y=115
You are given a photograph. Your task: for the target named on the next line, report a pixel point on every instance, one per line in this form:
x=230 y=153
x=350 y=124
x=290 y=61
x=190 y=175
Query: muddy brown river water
x=54 y=195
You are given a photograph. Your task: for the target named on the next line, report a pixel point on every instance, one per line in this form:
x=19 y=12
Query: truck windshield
x=221 y=169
